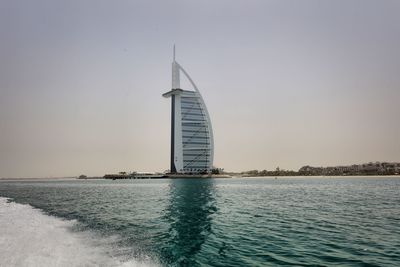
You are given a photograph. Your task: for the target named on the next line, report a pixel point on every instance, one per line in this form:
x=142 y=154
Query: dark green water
x=231 y=222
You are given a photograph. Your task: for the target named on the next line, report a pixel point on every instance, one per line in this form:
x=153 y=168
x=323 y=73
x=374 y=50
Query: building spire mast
x=175 y=72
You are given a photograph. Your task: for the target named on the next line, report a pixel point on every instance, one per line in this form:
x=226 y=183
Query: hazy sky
x=287 y=83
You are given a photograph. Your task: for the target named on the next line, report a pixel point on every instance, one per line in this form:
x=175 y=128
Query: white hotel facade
x=192 y=142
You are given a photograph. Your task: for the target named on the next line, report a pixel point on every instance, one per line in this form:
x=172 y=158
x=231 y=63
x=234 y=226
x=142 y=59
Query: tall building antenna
x=175 y=72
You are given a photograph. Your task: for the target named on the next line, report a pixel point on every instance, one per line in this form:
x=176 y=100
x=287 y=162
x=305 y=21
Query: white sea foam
x=30 y=238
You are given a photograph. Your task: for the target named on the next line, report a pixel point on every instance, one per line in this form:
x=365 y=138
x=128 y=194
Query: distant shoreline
x=40 y=178
x=185 y=177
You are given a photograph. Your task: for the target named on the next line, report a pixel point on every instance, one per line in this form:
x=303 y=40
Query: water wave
x=29 y=237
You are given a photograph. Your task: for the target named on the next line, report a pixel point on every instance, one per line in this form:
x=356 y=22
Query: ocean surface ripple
x=201 y=222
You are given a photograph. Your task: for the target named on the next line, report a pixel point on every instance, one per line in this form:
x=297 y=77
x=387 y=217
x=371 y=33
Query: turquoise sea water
x=229 y=222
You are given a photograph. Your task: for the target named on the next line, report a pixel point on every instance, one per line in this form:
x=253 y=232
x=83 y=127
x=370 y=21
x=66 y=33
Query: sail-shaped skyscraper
x=192 y=142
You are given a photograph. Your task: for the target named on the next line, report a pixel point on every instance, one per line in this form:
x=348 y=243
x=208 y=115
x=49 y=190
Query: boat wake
x=28 y=237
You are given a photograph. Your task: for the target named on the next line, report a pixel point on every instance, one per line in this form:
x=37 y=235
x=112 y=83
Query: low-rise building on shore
x=371 y=168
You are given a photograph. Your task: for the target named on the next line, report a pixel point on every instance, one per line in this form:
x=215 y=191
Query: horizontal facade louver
x=195 y=134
